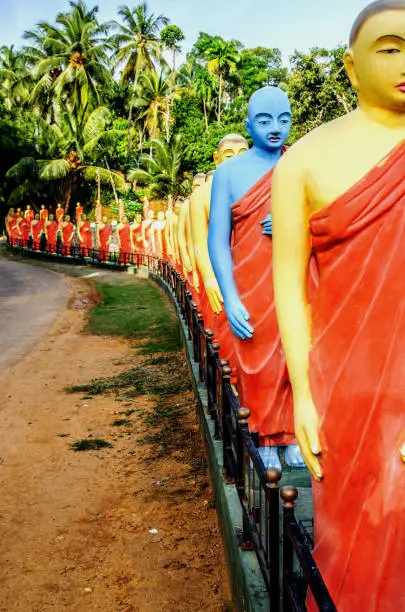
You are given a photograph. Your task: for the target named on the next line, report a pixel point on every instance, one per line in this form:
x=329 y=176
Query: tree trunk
x=129 y=143
x=68 y=195
x=205 y=114
x=220 y=98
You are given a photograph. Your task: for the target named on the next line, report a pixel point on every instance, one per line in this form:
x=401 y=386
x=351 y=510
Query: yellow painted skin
x=156 y=230
x=145 y=224
x=173 y=232
x=199 y=218
x=318 y=169
x=184 y=239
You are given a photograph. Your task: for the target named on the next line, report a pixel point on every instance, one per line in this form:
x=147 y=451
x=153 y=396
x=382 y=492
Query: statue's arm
x=181 y=236
x=199 y=232
x=219 y=247
x=291 y=255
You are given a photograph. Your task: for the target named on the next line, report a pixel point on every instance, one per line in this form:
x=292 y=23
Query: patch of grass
x=137 y=310
x=121 y=423
x=90 y=444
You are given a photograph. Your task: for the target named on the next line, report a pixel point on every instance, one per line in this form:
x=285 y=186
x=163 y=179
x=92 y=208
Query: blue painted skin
x=268 y=124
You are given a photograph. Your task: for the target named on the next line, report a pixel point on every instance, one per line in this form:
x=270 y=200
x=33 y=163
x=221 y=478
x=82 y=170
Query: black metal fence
x=283 y=547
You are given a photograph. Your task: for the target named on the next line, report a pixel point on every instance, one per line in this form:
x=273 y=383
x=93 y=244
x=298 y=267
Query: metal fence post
x=289 y=496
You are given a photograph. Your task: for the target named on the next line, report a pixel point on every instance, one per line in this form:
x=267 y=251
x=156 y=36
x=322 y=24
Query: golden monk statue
x=340 y=191
x=168 y=243
x=184 y=238
x=156 y=231
x=210 y=298
x=173 y=222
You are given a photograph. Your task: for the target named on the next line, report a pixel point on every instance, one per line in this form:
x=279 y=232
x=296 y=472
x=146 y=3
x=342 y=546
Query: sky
x=286 y=24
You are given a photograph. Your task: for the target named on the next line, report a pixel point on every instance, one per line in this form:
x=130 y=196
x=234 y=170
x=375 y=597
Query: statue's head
x=37 y=216
x=51 y=217
x=229 y=146
x=198 y=179
x=20 y=214
x=104 y=219
x=11 y=211
x=19 y=210
x=138 y=218
x=58 y=205
x=151 y=215
x=67 y=218
x=83 y=217
x=78 y=204
x=28 y=206
x=124 y=220
x=209 y=176
x=161 y=215
x=177 y=205
x=269 y=118
x=374 y=61
x=42 y=206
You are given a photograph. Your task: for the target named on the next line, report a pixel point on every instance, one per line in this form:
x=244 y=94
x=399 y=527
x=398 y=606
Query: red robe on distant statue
x=85 y=238
x=59 y=214
x=263 y=382
x=78 y=213
x=137 y=237
x=24 y=229
x=43 y=215
x=51 y=231
x=357 y=376
x=13 y=231
x=29 y=216
x=67 y=232
x=36 y=230
x=105 y=234
x=125 y=243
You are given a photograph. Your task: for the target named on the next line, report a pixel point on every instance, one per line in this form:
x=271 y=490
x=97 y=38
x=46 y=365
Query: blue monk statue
x=240 y=206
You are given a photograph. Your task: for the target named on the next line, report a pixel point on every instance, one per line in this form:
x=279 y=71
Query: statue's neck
x=383 y=117
x=266 y=154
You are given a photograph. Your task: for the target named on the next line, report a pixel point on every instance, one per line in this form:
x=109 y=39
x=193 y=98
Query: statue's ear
x=216 y=158
x=248 y=126
x=348 y=60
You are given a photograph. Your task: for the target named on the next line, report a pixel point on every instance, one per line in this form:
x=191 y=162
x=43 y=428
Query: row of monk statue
x=294 y=258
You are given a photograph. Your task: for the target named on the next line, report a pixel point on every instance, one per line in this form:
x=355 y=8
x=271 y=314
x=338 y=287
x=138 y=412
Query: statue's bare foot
x=269 y=456
x=293 y=457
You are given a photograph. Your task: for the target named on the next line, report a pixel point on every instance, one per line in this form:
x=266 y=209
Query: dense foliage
x=86 y=102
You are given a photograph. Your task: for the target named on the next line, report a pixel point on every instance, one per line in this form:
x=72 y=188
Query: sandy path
x=30 y=299
x=74 y=527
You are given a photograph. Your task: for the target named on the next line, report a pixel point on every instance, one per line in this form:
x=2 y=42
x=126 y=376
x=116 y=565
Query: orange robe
x=263 y=382
x=85 y=238
x=43 y=215
x=14 y=233
x=137 y=234
x=24 y=229
x=125 y=244
x=357 y=376
x=104 y=233
x=36 y=230
x=51 y=230
x=59 y=214
x=67 y=232
x=29 y=216
x=78 y=213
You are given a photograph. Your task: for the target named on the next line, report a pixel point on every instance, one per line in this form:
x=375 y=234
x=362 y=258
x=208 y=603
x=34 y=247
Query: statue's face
x=37 y=217
x=229 y=149
x=28 y=207
x=161 y=216
x=375 y=64
x=138 y=218
x=51 y=217
x=104 y=219
x=269 y=119
x=42 y=206
x=151 y=215
x=124 y=220
x=67 y=218
x=177 y=207
x=83 y=217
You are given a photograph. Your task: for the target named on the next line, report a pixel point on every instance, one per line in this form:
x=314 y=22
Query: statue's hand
x=196 y=281
x=267 y=225
x=306 y=423
x=214 y=294
x=402 y=452
x=238 y=318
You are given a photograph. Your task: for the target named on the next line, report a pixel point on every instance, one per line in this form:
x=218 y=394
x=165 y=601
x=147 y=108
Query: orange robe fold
x=105 y=234
x=59 y=214
x=125 y=244
x=67 y=232
x=36 y=231
x=263 y=382
x=357 y=376
x=85 y=238
x=51 y=231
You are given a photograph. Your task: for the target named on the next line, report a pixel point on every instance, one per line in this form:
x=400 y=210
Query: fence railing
x=285 y=559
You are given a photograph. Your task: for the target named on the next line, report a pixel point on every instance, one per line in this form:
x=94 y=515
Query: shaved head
x=233 y=138
x=380 y=6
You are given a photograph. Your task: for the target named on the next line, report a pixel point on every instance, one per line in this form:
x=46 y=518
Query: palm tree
x=71 y=144
x=70 y=57
x=14 y=78
x=154 y=97
x=223 y=57
x=204 y=85
x=137 y=45
x=162 y=171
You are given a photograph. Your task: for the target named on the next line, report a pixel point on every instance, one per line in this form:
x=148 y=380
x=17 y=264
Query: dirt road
x=117 y=529
x=30 y=299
